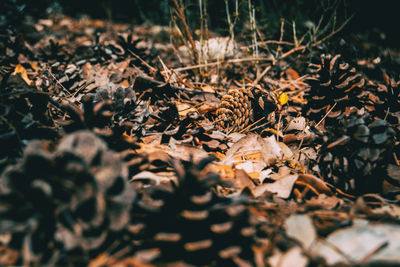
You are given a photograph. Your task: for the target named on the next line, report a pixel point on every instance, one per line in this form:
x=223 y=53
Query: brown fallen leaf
x=282 y=187
x=243 y=180
x=301 y=228
x=254 y=147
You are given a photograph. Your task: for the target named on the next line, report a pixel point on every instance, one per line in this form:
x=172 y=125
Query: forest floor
x=121 y=146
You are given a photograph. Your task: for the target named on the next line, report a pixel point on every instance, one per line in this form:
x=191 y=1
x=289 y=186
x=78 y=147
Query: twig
x=142 y=83
x=367 y=257
x=301 y=141
x=332 y=33
x=259 y=77
x=57 y=81
x=254 y=123
x=269 y=42
x=280 y=38
x=279 y=126
x=235 y=60
x=180 y=12
x=281 y=88
x=152 y=69
x=326 y=115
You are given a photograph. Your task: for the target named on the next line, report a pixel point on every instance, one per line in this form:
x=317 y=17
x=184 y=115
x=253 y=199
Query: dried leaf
x=371 y=243
x=301 y=228
x=282 y=187
x=243 y=180
x=184 y=109
x=316 y=183
x=292 y=257
x=298 y=124
x=24 y=75
x=254 y=146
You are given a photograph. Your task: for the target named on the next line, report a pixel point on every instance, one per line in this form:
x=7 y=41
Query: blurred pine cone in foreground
x=62 y=206
x=192 y=225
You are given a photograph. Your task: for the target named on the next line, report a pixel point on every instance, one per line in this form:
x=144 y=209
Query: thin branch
x=235 y=60
x=180 y=13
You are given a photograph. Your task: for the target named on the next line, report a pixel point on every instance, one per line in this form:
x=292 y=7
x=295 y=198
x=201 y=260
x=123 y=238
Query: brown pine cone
x=240 y=107
x=385 y=100
x=234 y=112
x=335 y=83
x=356 y=158
x=70 y=208
x=191 y=223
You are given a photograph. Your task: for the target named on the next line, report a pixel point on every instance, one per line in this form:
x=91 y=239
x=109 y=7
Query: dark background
x=375 y=20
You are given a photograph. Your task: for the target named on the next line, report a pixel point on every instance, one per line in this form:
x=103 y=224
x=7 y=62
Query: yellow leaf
x=283 y=99
x=24 y=75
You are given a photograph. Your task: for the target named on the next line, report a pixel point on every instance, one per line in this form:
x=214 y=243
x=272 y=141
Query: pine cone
x=112 y=113
x=336 y=84
x=66 y=205
x=127 y=112
x=386 y=101
x=357 y=161
x=193 y=224
x=241 y=107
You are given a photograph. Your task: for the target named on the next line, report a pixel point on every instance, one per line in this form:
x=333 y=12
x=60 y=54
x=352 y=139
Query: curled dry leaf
x=316 y=183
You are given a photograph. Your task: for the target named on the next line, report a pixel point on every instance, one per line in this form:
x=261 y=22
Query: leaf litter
x=114 y=155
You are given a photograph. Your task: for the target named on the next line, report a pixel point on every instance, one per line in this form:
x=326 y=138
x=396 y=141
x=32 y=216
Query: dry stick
x=291 y=83
x=367 y=257
x=279 y=126
x=303 y=47
x=338 y=250
x=308 y=187
x=257 y=80
x=258 y=127
x=180 y=12
x=280 y=38
x=301 y=141
x=166 y=71
x=57 y=81
x=144 y=83
x=329 y=111
x=254 y=123
x=269 y=42
x=235 y=60
x=152 y=69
